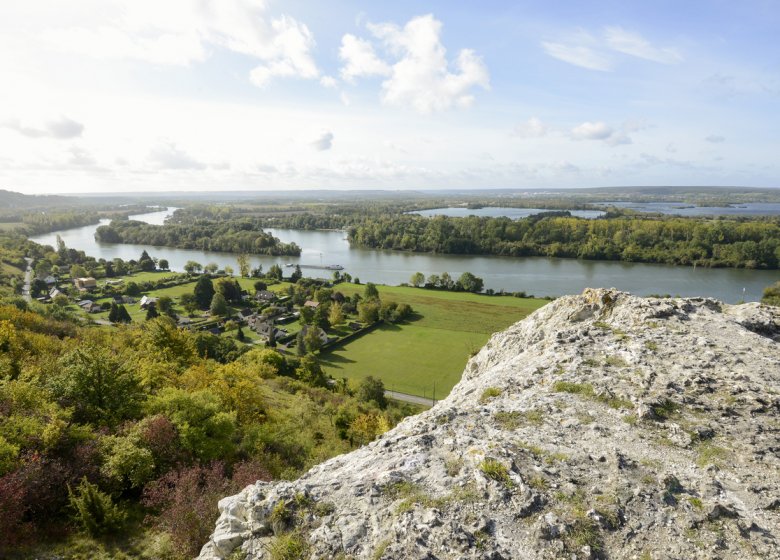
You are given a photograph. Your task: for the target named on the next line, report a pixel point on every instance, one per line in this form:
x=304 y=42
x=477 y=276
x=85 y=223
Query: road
x=414 y=399
x=27 y=279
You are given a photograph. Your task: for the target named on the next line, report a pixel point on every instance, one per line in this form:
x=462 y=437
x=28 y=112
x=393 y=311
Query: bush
x=94 y=511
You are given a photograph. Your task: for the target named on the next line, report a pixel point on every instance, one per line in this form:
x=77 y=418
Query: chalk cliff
x=602 y=426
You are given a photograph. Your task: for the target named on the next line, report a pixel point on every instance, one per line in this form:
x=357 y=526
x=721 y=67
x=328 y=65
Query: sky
x=209 y=95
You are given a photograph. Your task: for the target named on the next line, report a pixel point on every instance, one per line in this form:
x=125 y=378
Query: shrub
x=495 y=470
x=94 y=511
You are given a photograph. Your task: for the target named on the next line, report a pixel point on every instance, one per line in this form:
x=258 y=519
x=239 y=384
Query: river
x=540 y=276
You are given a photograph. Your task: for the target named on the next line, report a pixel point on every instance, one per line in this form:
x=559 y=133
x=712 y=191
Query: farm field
x=433 y=348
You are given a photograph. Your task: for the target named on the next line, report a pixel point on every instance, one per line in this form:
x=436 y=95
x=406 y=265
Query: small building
x=354 y=326
x=50 y=280
x=146 y=301
x=245 y=314
x=320 y=333
x=89 y=306
x=311 y=304
x=265 y=296
x=54 y=292
x=88 y=283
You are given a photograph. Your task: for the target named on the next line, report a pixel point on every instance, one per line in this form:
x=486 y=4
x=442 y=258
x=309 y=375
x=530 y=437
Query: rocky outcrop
x=602 y=426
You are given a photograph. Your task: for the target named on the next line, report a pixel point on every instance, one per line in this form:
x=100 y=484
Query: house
x=89 y=306
x=117 y=282
x=288 y=318
x=215 y=331
x=146 y=301
x=50 y=280
x=311 y=304
x=54 y=292
x=354 y=326
x=265 y=296
x=85 y=283
x=320 y=333
x=245 y=314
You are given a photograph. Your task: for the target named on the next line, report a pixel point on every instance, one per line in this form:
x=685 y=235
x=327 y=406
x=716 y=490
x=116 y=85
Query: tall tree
x=204 y=292
x=243 y=265
x=218 y=305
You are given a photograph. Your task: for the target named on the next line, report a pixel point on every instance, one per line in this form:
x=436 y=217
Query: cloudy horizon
x=105 y=95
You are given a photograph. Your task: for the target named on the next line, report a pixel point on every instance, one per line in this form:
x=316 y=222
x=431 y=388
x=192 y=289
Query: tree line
x=240 y=235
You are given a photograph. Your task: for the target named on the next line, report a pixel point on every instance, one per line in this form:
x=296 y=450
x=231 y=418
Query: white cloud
x=417 y=70
x=329 y=82
x=61 y=129
x=532 y=128
x=634 y=44
x=592 y=131
x=180 y=32
x=578 y=55
x=600 y=131
x=715 y=139
x=599 y=52
x=360 y=59
x=169 y=156
x=323 y=142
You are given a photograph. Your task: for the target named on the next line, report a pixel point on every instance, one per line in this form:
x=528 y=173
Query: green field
x=433 y=348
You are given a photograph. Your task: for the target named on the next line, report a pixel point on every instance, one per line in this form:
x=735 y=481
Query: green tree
x=77 y=271
x=260 y=286
x=163 y=264
x=151 y=311
x=336 y=314
x=368 y=311
x=132 y=289
x=189 y=302
x=112 y=314
x=94 y=511
x=275 y=272
x=122 y=316
x=190 y=267
x=470 y=283
x=100 y=386
x=296 y=275
x=312 y=339
x=218 y=305
x=165 y=306
x=370 y=291
x=417 y=279
x=211 y=268
x=243 y=265
x=772 y=295
x=371 y=389
x=204 y=292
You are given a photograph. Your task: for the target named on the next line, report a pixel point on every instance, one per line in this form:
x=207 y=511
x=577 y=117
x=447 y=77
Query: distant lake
x=535 y=275
x=500 y=212
x=682 y=209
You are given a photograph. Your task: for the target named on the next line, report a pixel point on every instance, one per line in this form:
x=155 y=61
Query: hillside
x=601 y=426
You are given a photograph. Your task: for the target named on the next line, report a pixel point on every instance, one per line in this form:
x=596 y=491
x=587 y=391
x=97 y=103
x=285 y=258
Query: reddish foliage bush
x=187 y=500
x=159 y=435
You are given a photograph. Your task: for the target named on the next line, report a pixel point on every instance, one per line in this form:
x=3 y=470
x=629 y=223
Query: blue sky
x=105 y=95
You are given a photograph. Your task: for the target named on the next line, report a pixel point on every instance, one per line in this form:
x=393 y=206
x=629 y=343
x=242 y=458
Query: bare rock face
x=601 y=426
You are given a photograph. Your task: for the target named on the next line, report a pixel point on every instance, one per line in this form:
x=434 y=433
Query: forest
x=128 y=434
x=725 y=242
x=240 y=235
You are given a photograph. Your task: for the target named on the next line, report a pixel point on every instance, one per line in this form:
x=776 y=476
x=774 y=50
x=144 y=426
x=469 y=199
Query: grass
x=489 y=393
x=433 y=348
x=495 y=470
x=586 y=390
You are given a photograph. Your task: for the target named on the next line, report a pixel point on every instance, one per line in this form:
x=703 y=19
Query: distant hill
x=10 y=200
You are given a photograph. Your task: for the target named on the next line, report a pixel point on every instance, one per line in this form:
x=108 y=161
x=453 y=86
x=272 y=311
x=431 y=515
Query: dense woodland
x=740 y=243
x=240 y=235
x=101 y=428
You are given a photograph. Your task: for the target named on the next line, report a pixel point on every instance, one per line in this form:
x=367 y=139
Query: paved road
x=27 y=279
x=414 y=399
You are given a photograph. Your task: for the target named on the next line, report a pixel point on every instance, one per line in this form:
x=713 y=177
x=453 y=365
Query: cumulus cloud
x=360 y=59
x=715 y=139
x=323 y=142
x=532 y=128
x=61 y=129
x=180 y=32
x=169 y=156
x=417 y=71
x=329 y=82
x=600 y=131
x=601 y=52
